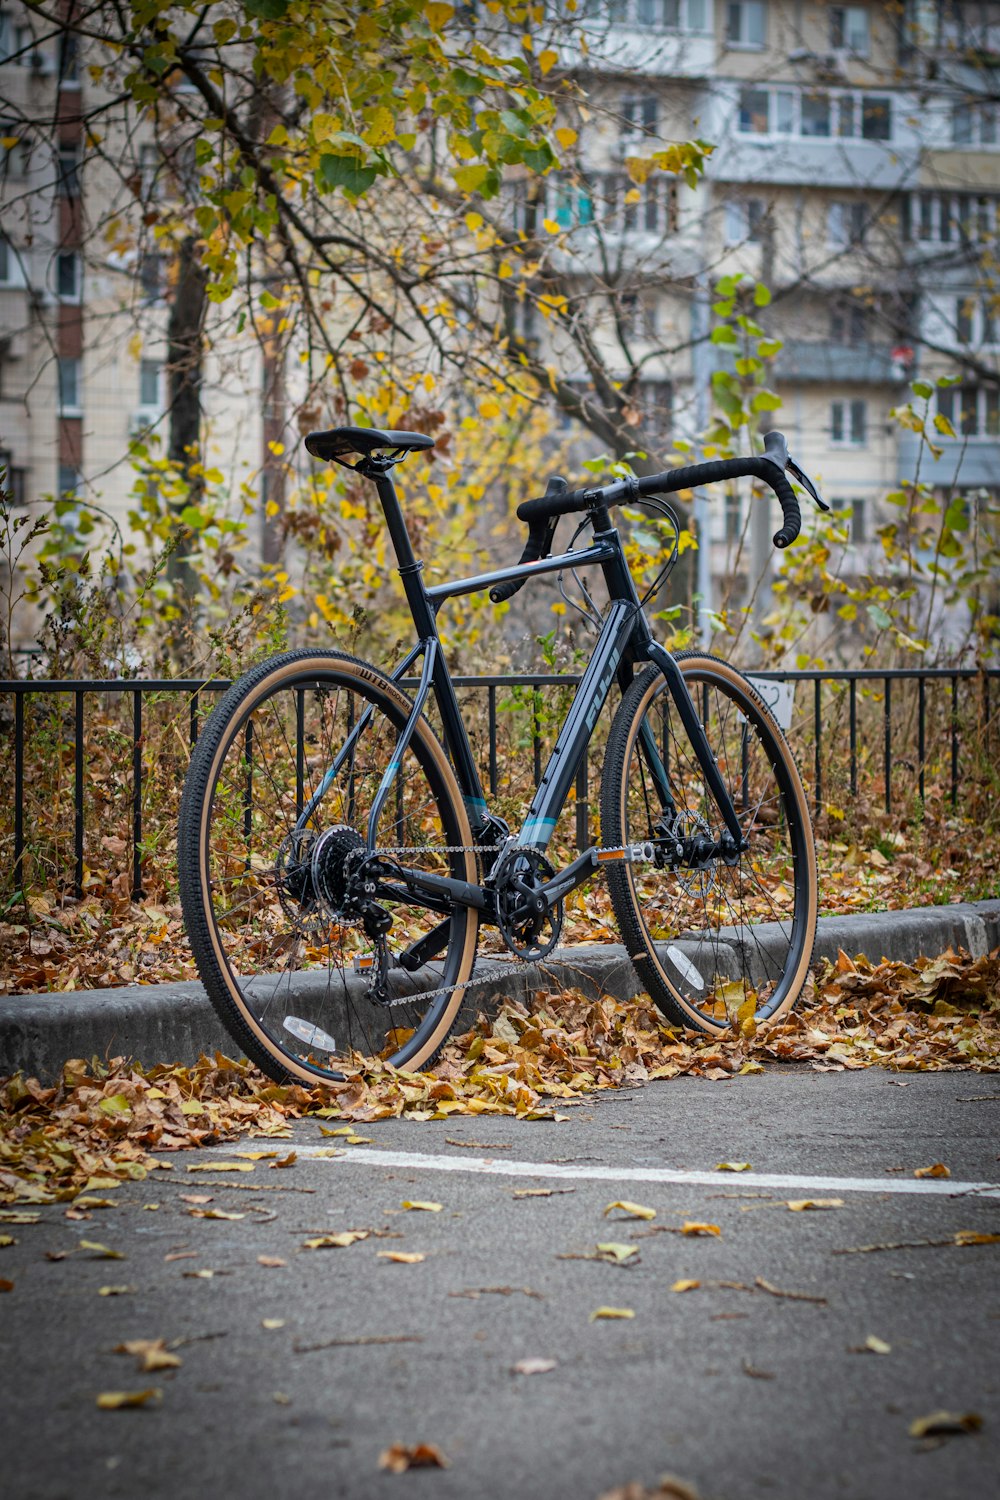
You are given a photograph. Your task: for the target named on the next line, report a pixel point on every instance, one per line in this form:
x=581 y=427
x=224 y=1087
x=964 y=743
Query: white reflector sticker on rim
x=310 y=1033
x=684 y=966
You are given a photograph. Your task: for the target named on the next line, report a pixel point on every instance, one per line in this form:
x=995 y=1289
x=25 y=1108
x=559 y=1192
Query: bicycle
x=338 y=859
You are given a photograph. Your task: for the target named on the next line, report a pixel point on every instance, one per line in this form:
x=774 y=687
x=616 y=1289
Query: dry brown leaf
x=631 y=1210
x=271 y=1260
x=336 y=1241
x=6 y=1285
x=685 y=1286
x=152 y=1354
x=802 y=1205
x=937 y=1170
x=402 y=1456
x=945 y=1423
x=404 y=1257
x=691 y=1227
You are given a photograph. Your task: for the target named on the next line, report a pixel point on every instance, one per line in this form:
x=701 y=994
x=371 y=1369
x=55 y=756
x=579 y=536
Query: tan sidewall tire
x=699 y=665
x=372 y=678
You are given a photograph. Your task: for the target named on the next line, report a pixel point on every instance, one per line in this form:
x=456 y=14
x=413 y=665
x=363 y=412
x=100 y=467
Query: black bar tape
x=734 y=468
x=535 y=547
x=548 y=506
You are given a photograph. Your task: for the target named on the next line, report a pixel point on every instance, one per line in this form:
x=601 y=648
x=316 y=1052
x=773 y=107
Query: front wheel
x=716 y=942
x=312 y=961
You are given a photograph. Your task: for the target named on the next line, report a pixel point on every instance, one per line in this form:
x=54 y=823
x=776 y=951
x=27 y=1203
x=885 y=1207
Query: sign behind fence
x=779 y=697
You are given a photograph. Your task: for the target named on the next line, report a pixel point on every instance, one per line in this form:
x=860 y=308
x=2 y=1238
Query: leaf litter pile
x=100 y=1123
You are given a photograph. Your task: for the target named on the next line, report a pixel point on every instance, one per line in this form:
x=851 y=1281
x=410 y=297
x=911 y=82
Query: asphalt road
x=735 y=1389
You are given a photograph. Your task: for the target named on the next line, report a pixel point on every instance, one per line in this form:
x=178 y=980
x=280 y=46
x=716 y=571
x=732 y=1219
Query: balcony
x=965 y=463
x=803 y=362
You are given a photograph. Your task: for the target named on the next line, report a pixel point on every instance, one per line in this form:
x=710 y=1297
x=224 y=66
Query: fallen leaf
x=115 y=1291
x=404 y=1257
x=205 y=1275
x=400 y=1457
x=975 y=1237
x=272 y=1323
x=18 y=1216
x=539 y=1192
x=800 y=1205
x=255 y=1155
x=87 y=1201
x=937 y=1170
x=6 y=1240
x=751 y=1370
x=181 y=1255
x=533 y=1366
x=6 y=1285
x=221 y=1166
x=152 y=1354
x=195 y=1197
x=99 y=1251
x=685 y=1286
x=733 y=1166
x=115 y=1400
x=611 y=1250
x=431 y=1208
x=612 y=1312
x=341 y=1130
x=871 y=1345
x=335 y=1241
x=286 y=1161
x=271 y=1260
x=693 y=1228
x=945 y=1422
x=631 y=1210
x=280 y=1398
x=214 y=1213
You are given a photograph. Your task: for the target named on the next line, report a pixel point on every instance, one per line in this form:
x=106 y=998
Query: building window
x=816 y=114
x=974 y=124
x=69 y=58
x=744 y=220
x=876 y=117
x=754 y=111
x=150 y=378
x=745 y=23
x=68 y=180
x=69 y=481
x=972 y=411
x=845 y=224
x=69 y=387
x=848 y=423
x=68 y=276
x=570 y=202
x=152 y=278
x=8 y=261
x=639 y=115
x=849 y=324
x=849 y=29
x=859 y=523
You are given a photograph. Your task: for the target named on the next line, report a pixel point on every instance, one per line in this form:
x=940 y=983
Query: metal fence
x=951 y=702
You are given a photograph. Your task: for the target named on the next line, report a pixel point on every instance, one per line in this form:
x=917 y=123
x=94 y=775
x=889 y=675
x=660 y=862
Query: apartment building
x=856 y=172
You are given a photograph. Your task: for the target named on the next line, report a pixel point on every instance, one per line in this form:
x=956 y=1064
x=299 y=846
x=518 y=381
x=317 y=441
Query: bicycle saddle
x=337 y=441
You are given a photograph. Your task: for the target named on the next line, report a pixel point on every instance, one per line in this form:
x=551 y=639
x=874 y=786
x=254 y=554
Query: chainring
x=517 y=884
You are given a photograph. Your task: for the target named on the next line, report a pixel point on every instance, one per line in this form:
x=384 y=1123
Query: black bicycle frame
x=625 y=640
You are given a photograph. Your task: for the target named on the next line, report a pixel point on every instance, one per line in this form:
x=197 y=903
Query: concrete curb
x=175 y=1022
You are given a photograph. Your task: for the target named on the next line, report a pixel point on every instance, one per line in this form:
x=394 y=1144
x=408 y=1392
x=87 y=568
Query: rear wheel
x=715 y=942
x=311 y=963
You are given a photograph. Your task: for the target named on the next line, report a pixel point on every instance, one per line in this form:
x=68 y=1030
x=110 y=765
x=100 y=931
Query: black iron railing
x=826 y=684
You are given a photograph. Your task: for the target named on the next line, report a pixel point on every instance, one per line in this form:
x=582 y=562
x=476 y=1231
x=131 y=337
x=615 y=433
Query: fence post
x=137 y=794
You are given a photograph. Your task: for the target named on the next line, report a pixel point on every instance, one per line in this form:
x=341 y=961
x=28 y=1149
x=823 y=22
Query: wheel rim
x=728 y=940
x=294 y=955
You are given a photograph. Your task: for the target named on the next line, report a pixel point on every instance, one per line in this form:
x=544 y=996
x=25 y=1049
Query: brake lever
x=806 y=483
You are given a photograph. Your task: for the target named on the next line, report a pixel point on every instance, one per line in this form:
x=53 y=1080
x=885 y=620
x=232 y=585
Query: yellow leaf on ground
x=114 y=1291
x=335 y=1241
x=733 y=1166
x=685 y=1286
x=115 y=1400
x=611 y=1312
x=692 y=1227
x=404 y=1257
x=875 y=1345
x=272 y=1323
x=533 y=1366
x=937 y=1170
x=101 y=1252
x=152 y=1354
x=611 y=1250
x=417 y=1203
x=221 y=1166
x=799 y=1205
x=975 y=1237
x=631 y=1210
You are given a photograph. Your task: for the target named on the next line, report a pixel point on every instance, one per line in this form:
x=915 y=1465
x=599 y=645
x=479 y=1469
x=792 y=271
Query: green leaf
x=266 y=10
x=761 y=295
x=765 y=401
x=922 y=389
x=345 y=172
x=878 y=616
x=470 y=179
x=723 y=334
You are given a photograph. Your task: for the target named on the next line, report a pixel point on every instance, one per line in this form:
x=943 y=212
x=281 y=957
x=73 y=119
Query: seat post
x=409 y=568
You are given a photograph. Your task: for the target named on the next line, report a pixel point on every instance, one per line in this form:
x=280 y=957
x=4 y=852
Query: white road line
x=421 y=1161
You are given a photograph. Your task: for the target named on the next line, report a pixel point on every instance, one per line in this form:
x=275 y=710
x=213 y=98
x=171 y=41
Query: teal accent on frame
x=538 y=831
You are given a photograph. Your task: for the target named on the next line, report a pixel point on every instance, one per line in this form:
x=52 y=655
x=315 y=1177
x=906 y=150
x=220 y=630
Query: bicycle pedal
x=632 y=854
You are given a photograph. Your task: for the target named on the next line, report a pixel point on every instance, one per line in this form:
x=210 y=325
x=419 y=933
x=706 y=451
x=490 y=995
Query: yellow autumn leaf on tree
x=566 y=137
x=548 y=59
x=437 y=15
x=381 y=127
